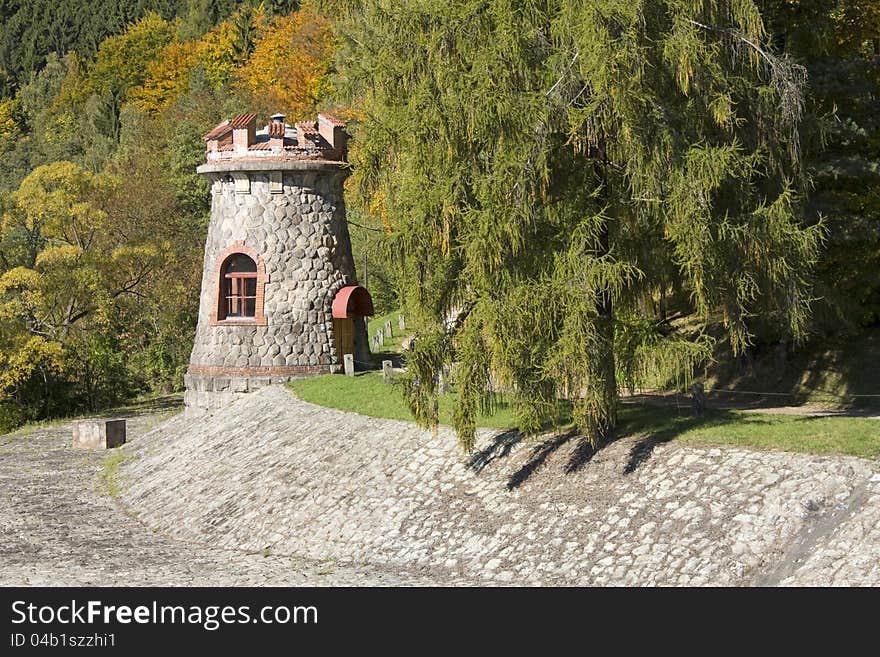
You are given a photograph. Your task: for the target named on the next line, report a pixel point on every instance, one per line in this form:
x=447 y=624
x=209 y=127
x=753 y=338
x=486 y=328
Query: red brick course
x=260 y=370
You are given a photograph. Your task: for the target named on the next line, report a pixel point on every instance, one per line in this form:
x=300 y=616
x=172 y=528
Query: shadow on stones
x=540 y=453
x=672 y=427
x=499 y=449
x=643 y=448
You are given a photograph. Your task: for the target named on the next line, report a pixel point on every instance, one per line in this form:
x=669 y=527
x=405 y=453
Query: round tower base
x=207 y=392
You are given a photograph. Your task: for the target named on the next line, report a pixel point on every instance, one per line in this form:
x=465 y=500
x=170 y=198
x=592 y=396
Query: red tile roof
x=242 y=120
x=311 y=145
x=332 y=120
x=218 y=131
x=275 y=129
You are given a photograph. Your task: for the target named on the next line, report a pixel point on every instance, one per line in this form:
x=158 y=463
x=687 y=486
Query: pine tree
x=550 y=170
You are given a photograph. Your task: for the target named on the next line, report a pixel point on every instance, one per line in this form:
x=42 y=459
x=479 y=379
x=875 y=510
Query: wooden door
x=343 y=333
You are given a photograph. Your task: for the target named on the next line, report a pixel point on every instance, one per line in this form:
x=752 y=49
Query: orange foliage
x=289 y=67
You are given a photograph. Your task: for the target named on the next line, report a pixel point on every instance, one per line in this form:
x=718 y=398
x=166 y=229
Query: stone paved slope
x=273 y=472
x=58 y=527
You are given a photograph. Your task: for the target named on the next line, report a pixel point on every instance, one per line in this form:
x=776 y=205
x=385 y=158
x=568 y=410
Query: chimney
x=276 y=130
x=333 y=130
x=304 y=128
x=244 y=132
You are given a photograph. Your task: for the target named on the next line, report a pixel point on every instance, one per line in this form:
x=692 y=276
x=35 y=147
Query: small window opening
x=239 y=281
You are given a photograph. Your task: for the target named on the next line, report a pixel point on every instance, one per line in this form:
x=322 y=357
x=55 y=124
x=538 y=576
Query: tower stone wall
x=287 y=214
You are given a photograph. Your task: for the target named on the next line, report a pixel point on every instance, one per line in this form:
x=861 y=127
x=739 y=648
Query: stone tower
x=279 y=298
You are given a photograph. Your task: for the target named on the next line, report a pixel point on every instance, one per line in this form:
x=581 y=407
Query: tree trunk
x=604 y=365
x=603 y=376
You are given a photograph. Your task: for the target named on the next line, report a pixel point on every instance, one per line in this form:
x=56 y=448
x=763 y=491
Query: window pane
x=250 y=287
x=240 y=263
x=250 y=307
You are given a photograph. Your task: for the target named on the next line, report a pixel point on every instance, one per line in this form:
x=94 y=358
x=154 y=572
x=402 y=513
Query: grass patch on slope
x=367 y=394
x=397 y=336
x=793 y=433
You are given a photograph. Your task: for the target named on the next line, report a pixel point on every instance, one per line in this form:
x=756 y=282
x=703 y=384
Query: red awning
x=352 y=300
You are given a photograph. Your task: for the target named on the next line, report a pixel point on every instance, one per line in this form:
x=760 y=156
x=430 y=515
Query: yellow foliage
x=8 y=126
x=289 y=67
x=21 y=363
x=122 y=61
x=62 y=255
x=54 y=197
x=216 y=53
x=167 y=77
x=18 y=278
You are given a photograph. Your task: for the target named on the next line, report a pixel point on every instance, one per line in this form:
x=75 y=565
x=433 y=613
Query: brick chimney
x=275 y=130
x=244 y=131
x=333 y=130
x=305 y=133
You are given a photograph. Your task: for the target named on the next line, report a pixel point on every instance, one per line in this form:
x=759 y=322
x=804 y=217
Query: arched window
x=238 y=280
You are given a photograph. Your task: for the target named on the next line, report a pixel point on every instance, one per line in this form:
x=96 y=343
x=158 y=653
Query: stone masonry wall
x=302 y=239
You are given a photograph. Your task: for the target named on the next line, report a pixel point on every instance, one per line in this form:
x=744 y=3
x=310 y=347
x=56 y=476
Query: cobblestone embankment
x=272 y=473
x=59 y=527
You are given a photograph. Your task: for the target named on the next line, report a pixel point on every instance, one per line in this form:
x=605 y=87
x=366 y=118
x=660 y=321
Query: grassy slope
x=841 y=373
x=368 y=395
x=392 y=347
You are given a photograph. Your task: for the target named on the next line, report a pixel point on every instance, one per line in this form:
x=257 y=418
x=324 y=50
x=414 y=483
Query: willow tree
x=547 y=170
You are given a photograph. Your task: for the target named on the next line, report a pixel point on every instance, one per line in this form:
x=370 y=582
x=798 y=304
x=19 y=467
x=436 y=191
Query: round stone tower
x=279 y=299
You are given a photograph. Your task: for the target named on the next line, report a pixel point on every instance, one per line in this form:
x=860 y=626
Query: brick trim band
x=258 y=371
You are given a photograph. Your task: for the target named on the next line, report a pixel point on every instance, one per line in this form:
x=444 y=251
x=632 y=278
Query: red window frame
x=236 y=295
x=239 y=299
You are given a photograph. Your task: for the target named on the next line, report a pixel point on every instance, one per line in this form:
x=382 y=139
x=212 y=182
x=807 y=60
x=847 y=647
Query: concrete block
x=98 y=434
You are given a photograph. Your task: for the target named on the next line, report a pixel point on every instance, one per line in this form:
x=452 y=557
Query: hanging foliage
x=552 y=168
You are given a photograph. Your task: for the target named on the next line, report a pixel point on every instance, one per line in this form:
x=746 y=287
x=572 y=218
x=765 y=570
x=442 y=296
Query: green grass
x=367 y=394
x=392 y=346
x=818 y=435
x=110 y=472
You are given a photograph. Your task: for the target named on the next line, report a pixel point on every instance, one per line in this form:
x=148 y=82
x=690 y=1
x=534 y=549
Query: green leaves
x=551 y=175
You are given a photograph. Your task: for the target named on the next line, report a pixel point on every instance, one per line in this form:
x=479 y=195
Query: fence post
x=388 y=332
x=698 y=399
x=401 y=323
x=349 y=364
x=386 y=371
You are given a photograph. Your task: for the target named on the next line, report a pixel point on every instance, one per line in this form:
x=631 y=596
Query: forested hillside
x=103 y=215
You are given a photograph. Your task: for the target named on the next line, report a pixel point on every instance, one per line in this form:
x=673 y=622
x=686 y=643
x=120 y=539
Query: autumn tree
x=289 y=67
x=69 y=270
x=551 y=169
